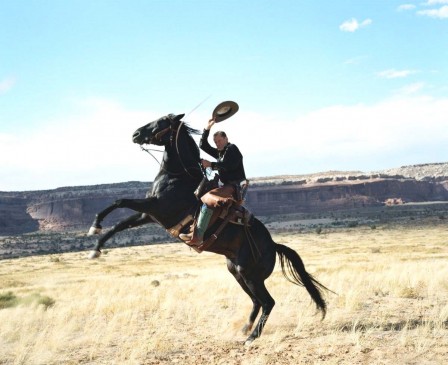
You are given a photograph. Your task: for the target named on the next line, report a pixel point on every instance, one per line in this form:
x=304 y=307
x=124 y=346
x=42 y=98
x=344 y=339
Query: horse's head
x=158 y=132
x=181 y=155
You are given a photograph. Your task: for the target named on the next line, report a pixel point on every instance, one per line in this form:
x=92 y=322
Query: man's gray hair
x=220 y=133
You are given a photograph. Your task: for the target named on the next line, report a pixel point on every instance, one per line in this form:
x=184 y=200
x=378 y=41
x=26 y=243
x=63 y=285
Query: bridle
x=158 y=136
x=173 y=140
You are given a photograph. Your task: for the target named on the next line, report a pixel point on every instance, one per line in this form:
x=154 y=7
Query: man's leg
x=197 y=236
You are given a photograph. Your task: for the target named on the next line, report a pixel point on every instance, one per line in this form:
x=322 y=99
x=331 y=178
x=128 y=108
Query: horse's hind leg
x=256 y=305
x=135 y=220
x=258 y=289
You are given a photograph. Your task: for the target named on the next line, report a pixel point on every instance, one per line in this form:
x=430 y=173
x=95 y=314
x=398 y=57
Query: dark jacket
x=229 y=161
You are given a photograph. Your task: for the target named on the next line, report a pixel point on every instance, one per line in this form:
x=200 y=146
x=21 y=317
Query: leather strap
x=207 y=243
x=175 y=230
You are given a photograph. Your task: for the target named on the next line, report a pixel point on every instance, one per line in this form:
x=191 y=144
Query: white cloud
x=352 y=25
x=95 y=147
x=393 y=74
x=435 y=2
x=398 y=131
x=92 y=147
x=7 y=84
x=441 y=13
x=406 y=7
x=411 y=88
x=355 y=60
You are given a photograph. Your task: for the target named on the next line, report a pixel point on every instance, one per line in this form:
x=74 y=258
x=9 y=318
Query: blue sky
x=321 y=85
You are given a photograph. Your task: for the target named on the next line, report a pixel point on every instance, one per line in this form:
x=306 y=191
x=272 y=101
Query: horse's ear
x=177 y=118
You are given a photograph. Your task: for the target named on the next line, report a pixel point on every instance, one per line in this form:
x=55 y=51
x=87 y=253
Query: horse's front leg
x=135 y=220
x=139 y=205
x=96 y=227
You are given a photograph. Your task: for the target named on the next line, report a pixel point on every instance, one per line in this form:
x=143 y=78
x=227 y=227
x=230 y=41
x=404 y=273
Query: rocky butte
x=73 y=208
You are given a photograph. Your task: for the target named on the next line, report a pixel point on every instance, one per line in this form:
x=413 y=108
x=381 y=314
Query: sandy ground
x=391 y=305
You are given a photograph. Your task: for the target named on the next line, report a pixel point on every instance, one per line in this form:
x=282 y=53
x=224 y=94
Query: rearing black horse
x=250 y=252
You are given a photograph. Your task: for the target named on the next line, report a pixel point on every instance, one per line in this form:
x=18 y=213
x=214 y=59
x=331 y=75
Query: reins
x=178 y=153
x=148 y=150
x=158 y=136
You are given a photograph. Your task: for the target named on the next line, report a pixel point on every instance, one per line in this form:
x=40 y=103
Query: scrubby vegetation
x=44 y=243
x=166 y=304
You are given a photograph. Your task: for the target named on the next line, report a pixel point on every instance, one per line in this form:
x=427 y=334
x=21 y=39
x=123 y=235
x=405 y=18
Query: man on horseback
x=249 y=248
x=229 y=164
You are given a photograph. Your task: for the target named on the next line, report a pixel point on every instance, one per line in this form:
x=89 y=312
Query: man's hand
x=206 y=164
x=210 y=123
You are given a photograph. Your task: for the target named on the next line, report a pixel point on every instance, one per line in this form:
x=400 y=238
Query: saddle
x=233 y=212
x=227 y=206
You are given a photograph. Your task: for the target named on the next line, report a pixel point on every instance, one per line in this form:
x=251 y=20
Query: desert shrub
x=46 y=301
x=408 y=292
x=373 y=226
x=55 y=259
x=7 y=300
x=352 y=224
x=38 y=299
x=319 y=230
x=337 y=223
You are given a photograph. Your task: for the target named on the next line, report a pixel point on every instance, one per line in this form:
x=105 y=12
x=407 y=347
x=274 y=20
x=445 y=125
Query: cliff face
x=14 y=218
x=331 y=195
x=75 y=207
x=63 y=208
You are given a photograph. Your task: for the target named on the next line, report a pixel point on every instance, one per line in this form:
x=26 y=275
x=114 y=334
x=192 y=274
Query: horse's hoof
x=249 y=341
x=94 y=254
x=93 y=231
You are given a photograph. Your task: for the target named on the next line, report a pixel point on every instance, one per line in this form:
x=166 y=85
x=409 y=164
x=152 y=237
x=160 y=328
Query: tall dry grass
x=166 y=304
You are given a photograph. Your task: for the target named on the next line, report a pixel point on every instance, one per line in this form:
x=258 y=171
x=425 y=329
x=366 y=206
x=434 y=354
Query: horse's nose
x=135 y=136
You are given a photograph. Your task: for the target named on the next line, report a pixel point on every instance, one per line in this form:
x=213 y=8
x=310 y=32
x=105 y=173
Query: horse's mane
x=189 y=132
x=188 y=129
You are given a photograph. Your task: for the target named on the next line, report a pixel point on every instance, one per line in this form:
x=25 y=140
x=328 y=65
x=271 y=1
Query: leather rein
x=158 y=138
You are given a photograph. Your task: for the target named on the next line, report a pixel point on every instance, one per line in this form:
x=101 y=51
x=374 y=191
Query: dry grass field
x=166 y=304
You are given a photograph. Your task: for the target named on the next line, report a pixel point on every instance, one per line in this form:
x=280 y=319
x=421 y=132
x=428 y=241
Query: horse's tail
x=294 y=271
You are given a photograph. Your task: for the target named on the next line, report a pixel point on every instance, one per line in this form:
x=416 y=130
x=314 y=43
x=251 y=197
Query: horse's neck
x=182 y=157
x=175 y=175
x=175 y=198
x=188 y=150
x=176 y=182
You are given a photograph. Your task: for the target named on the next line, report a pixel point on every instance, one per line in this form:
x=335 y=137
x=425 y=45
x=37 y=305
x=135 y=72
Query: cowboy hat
x=224 y=110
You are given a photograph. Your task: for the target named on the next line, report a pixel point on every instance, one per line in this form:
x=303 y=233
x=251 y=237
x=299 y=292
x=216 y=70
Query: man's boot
x=197 y=235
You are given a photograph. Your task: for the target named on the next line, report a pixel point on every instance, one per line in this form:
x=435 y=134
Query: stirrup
x=193 y=240
x=186 y=236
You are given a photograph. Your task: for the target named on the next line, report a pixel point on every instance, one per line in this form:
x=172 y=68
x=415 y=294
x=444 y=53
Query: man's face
x=220 y=142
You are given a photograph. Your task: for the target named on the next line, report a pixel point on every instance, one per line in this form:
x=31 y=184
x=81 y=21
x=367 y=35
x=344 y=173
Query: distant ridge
x=421 y=171
x=427 y=171
x=74 y=207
